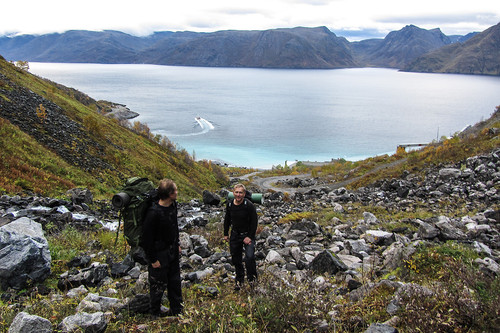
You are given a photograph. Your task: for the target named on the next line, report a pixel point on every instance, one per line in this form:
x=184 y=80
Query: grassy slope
x=131 y=150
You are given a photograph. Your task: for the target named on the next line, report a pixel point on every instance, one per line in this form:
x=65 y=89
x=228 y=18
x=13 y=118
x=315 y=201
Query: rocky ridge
x=299 y=252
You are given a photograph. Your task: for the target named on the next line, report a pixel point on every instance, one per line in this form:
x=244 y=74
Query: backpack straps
x=120 y=216
x=230 y=204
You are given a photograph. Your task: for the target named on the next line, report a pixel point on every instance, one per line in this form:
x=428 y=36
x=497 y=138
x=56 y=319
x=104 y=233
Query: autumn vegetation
x=129 y=147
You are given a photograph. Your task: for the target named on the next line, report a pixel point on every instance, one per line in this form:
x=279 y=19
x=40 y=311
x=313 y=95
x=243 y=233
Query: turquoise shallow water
x=264 y=117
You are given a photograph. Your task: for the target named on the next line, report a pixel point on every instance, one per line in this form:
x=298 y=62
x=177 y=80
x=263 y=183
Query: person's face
x=239 y=195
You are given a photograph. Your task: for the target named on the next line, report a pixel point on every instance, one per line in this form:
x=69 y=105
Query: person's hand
x=226 y=238
x=247 y=240
x=156 y=264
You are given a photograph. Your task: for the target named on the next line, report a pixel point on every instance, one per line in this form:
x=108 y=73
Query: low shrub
x=463 y=299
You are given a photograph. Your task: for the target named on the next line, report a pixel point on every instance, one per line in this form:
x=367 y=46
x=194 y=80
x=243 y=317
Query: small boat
x=197 y=118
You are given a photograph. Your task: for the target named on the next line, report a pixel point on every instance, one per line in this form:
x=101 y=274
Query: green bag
x=133 y=202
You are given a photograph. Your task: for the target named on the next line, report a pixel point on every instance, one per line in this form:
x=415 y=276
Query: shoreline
x=294 y=162
x=121 y=112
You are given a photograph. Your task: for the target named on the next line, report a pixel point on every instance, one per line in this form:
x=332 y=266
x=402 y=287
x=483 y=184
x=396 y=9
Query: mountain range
x=411 y=49
x=479 y=55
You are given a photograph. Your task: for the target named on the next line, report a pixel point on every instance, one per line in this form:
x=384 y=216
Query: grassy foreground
x=461 y=298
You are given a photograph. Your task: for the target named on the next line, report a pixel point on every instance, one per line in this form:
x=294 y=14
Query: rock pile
x=295 y=249
x=51 y=127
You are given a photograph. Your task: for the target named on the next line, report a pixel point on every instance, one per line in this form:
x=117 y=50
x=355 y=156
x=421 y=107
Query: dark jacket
x=242 y=218
x=160 y=231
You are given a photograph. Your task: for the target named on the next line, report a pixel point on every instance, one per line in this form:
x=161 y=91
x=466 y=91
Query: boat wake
x=203 y=126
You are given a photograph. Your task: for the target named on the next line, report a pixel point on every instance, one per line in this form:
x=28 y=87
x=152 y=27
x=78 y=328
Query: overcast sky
x=353 y=19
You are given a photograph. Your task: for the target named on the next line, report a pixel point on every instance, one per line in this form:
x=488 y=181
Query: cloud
x=456 y=23
x=437 y=19
x=315 y=2
x=357 y=35
x=146 y=16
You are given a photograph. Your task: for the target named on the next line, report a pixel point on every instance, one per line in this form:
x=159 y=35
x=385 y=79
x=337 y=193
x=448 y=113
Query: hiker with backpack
x=241 y=218
x=160 y=240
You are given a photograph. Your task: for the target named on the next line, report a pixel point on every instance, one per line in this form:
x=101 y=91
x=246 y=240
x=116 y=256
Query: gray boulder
x=312 y=228
x=448 y=231
x=96 y=303
x=24 y=254
x=89 y=277
x=370 y=218
x=86 y=322
x=450 y=173
x=24 y=322
x=297 y=235
x=273 y=257
x=379 y=237
x=488 y=265
x=426 y=230
x=210 y=198
x=138 y=304
x=80 y=195
x=395 y=255
x=200 y=245
x=200 y=275
x=380 y=328
x=327 y=262
x=185 y=242
x=357 y=246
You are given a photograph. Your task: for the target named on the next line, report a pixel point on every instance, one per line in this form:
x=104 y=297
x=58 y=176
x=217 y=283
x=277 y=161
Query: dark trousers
x=237 y=247
x=167 y=277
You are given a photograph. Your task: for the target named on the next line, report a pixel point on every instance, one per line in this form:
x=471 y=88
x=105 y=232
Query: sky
x=353 y=19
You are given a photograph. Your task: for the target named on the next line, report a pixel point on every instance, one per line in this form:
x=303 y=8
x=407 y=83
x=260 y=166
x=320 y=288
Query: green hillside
x=55 y=138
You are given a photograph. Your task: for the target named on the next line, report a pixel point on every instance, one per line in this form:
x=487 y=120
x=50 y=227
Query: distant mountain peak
x=477 y=55
x=401 y=47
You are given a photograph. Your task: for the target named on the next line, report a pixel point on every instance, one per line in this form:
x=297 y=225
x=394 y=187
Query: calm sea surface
x=264 y=117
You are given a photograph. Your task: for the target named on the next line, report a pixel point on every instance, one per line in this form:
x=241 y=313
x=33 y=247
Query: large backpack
x=133 y=202
x=252 y=197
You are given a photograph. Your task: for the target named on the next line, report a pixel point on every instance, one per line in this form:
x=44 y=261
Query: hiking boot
x=237 y=286
x=174 y=312
x=164 y=312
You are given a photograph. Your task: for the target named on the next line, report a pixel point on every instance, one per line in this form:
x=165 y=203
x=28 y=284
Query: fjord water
x=264 y=117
